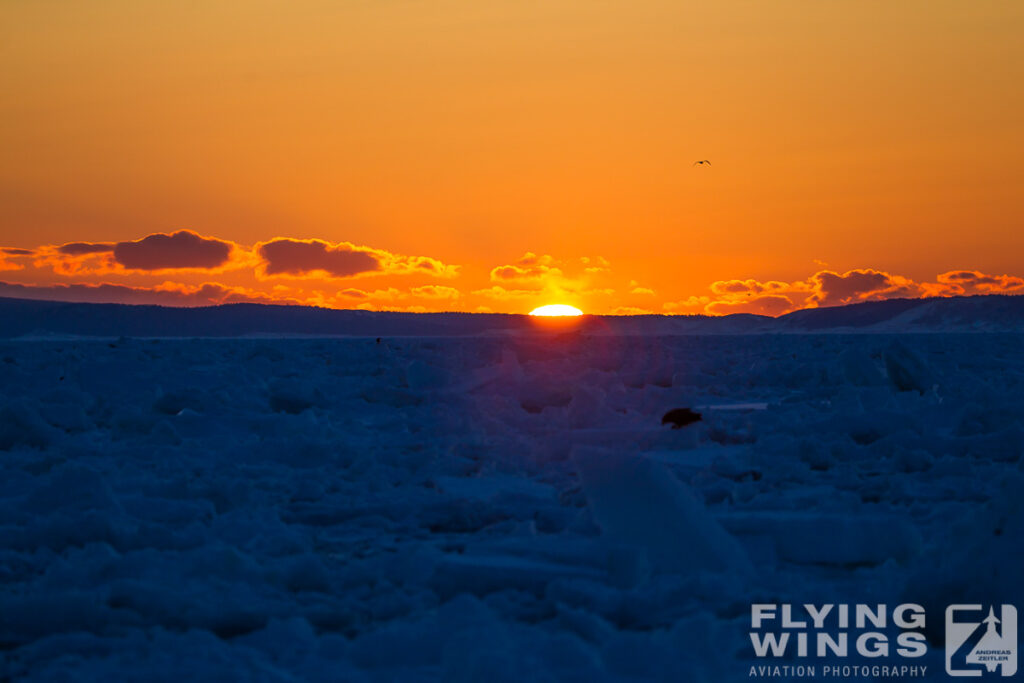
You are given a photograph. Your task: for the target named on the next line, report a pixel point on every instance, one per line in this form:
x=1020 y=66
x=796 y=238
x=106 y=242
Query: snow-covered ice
x=499 y=507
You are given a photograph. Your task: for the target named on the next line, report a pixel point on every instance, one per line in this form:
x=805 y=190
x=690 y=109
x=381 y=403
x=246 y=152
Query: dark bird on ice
x=702 y=162
x=680 y=417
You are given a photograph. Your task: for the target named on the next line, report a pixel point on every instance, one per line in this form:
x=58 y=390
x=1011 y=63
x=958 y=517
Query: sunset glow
x=632 y=157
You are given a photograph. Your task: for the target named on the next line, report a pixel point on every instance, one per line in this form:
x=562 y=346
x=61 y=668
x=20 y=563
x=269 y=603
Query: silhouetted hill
x=954 y=314
x=23 y=317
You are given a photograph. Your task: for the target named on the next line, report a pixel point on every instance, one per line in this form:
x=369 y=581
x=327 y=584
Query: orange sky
x=480 y=155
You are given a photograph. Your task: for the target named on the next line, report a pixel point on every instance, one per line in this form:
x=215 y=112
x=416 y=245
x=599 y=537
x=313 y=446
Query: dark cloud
x=749 y=287
x=207 y=294
x=967 y=276
x=768 y=304
x=14 y=251
x=838 y=289
x=824 y=288
x=833 y=289
x=83 y=248
x=303 y=257
x=959 y=282
x=183 y=249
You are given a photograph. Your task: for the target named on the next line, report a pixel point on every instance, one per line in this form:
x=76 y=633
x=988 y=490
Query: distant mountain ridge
x=35 y=318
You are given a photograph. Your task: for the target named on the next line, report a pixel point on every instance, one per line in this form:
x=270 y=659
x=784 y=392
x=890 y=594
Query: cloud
x=690 y=306
x=154 y=253
x=423 y=265
x=217 y=293
x=832 y=289
x=771 y=297
x=82 y=248
x=166 y=294
x=12 y=258
x=823 y=288
x=75 y=258
x=501 y=294
x=279 y=257
x=436 y=292
x=179 y=250
x=769 y=304
x=7 y=264
x=595 y=264
x=316 y=258
x=961 y=282
x=368 y=299
x=753 y=287
x=543 y=279
x=529 y=268
x=310 y=268
x=777 y=297
x=635 y=288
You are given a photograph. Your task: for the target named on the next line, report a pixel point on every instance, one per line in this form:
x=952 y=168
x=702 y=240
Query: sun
x=556 y=309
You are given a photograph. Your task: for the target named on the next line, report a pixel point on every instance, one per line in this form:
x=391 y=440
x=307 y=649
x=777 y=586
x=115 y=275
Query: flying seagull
x=702 y=162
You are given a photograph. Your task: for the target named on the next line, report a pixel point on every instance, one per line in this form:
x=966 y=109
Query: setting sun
x=556 y=309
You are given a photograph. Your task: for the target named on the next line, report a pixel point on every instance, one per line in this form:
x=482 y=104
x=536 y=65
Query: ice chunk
x=588 y=407
x=20 y=426
x=494 y=486
x=420 y=376
x=860 y=369
x=28 y=617
x=978 y=559
x=637 y=501
x=293 y=397
x=831 y=539
x=482 y=574
x=906 y=370
x=173 y=402
x=71 y=488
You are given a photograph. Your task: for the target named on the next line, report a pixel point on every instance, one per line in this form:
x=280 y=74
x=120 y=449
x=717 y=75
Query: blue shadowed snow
x=499 y=507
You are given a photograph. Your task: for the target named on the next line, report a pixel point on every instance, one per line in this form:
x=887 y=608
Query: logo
x=837 y=641
x=977 y=644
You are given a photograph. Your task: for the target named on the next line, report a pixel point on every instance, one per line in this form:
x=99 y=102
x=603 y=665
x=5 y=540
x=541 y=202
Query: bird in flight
x=702 y=162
